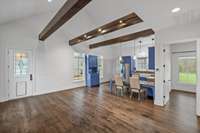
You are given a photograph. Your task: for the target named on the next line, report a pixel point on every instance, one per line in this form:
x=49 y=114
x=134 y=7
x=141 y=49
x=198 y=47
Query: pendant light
x=120 y=57
x=141 y=53
x=140 y=46
x=153 y=41
x=134 y=55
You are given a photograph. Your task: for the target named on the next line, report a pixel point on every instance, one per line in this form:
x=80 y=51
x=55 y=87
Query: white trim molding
x=198 y=79
x=3 y=100
x=159 y=89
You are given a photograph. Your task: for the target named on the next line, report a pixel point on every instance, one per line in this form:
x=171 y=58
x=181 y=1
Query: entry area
x=96 y=111
x=20 y=73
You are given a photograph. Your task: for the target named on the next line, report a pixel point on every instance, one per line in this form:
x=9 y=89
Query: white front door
x=20 y=73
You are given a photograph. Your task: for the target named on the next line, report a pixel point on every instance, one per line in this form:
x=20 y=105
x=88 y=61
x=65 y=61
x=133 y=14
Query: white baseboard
x=53 y=91
x=3 y=100
x=166 y=100
x=158 y=102
x=198 y=113
x=184 y=90
x=41 y=93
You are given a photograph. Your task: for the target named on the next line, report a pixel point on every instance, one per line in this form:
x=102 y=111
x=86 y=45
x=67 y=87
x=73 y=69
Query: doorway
x=20 y=73
x=184 y=71
x=184 y=61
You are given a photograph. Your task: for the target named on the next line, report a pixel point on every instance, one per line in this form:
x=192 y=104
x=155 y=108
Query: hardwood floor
x=97 y=111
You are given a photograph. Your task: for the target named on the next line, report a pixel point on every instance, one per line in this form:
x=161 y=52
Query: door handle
x=31 y=77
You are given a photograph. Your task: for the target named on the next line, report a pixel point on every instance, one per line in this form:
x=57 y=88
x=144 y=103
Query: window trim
x=182 y=58
x=102 y=59
x=146 y=63
x=76 y=54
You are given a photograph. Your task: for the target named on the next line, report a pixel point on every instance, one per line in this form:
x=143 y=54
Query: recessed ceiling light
x=99 y=30
x=89 y=37
x=177 y=9
x=123 y=24
x=50 y=0
x=103 y=31
x=120 y=21
x=85 y=36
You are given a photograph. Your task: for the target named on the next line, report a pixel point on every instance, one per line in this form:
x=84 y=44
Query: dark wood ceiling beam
x=121 y=39
x=118 y=24
x=69 y=9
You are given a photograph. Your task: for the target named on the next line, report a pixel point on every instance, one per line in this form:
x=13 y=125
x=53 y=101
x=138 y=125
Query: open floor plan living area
x=99 y=66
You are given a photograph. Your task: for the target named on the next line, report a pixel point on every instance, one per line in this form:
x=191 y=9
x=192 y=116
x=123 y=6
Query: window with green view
x=187 y=70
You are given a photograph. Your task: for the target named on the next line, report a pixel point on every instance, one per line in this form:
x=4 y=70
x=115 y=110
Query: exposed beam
x=69 y=9
x=123 y=22
x=121 y=39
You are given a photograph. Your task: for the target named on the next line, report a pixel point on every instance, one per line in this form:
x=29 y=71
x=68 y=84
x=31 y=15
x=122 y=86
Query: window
x=21 y=64
x=142 y=63
x=187 y=70
x=100 y=66
x=79 y=67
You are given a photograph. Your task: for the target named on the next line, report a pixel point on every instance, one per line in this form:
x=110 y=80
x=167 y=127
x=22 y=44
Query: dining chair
x=119 y=85
x=135 y=87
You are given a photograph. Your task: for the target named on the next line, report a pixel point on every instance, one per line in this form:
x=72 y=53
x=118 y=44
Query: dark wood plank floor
x=97 y=111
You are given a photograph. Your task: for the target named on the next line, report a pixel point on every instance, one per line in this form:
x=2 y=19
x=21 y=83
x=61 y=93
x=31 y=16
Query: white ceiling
x=155 y=13
x=11 y=10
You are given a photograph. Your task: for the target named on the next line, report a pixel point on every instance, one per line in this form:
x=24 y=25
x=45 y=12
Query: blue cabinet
x=151 y=92
x=92 y=60
x=151 y=52
x=93 y=79
x=92 y=73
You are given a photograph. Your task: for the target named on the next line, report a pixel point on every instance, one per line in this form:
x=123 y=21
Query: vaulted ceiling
x=11 y=10
x=103 y=11
x=155 y=13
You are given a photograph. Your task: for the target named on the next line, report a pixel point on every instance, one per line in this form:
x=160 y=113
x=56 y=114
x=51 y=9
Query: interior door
x=20 y=73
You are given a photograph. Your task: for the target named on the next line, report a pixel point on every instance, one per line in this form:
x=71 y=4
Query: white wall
x=127 y=49
x=181 y=49
x=167 y=73
x=54 y=57
x=183 y=46
x=176 y=34
x=159 y=77
x=1 y=73
x=162 y=74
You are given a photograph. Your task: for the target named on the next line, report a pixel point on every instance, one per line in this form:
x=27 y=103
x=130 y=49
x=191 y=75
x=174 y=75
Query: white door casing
x=198 y=80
